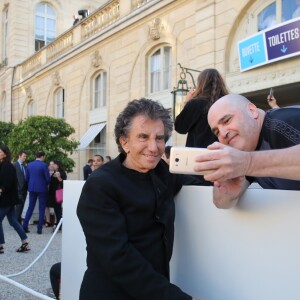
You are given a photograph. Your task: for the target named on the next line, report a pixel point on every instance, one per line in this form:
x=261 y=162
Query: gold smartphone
x=182 y=160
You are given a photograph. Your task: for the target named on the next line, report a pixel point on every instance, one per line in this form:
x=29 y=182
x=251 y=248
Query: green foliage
x=5 y=130
x=44 y=133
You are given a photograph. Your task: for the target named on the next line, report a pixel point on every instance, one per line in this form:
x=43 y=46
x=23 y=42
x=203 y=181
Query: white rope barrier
x=23 y=287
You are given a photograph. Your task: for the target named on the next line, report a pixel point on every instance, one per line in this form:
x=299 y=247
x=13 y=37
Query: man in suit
x=87 y=169
x=22 y=184
x=38 y=178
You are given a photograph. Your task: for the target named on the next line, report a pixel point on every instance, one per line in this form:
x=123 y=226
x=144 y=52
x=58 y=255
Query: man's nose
x=152 y=145
x=223 y=135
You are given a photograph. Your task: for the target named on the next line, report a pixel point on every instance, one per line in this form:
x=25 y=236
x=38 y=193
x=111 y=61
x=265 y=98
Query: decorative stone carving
x=56 y=78
x=28 y=92
x=155 y=29
x=96 y=59
x=240 y=83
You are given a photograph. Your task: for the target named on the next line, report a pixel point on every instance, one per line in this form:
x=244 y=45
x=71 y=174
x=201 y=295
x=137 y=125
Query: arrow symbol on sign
x=251 y=60
x=283 y=49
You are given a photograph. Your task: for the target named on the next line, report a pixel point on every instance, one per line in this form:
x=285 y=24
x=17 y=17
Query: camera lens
x=177 y=159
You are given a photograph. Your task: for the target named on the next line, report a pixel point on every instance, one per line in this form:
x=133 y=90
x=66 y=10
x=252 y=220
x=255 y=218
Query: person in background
x=38 y=178
x=264 y=146
x=166 y=155
x=97 y=161
x=22 y=184
x=193 y=117
x=55 y=278
x=87 y=169
x=56 y=182
x=8 y=199
x=272 y=102
x=51 y=167
x=107 y=159
x=49 y=210
x=76 y=20
x=126 y=210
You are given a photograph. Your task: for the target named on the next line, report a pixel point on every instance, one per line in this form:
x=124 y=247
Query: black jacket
x=128 y=221
x=193 y=121
x=54 y=185
x=22 y=184
x=87 y=171
x=8 y=184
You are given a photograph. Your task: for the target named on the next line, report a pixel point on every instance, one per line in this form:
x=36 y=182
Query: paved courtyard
x=11 y=262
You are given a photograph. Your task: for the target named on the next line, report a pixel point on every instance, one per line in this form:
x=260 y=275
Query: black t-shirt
x=280 y=129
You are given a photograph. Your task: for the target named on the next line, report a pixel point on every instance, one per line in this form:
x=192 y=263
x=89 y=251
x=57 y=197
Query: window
x=160 y=65
x=60 y=103
x=31 y=108
x=290 y=9
x=45 y=25
x=278 y=11
x=100 y=90
x=4 y=36
x=267 y=18
x=3 y=107
x=98 y=145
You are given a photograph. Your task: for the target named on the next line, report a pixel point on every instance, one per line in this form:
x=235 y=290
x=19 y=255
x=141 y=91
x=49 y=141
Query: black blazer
x=22 y=184
x=8 y=184
x=128 y=221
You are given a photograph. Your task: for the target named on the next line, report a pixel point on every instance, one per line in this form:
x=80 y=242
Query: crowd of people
x=129 y=223
x=38 y=180
x=94 y=163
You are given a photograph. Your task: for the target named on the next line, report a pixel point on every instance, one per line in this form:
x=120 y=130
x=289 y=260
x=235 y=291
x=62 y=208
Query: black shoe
x=24 y=247
x=26 y=230
x=39 y=231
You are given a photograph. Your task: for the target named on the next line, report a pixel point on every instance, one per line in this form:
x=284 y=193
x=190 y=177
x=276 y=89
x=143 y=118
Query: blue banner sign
x=252 y=52
x=283 y=40
x=270 y=45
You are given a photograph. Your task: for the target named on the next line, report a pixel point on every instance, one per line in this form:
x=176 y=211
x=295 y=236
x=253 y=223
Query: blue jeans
x=9 y=212
x=33 y=196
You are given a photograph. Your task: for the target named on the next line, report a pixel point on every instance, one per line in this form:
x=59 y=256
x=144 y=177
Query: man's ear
x=253 y=110
x=124 y=143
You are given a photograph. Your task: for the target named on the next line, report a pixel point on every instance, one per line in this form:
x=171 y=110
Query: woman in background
x=8 y=199
x=193 y=118
x=56 y=182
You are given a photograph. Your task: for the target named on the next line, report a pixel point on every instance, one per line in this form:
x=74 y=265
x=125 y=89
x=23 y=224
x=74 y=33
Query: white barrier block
x=247 y=253
x=73 y=243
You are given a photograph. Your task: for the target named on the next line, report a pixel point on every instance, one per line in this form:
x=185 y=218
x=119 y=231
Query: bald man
x=243 y=131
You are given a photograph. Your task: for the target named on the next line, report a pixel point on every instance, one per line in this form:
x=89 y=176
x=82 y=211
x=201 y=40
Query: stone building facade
x=127 y=49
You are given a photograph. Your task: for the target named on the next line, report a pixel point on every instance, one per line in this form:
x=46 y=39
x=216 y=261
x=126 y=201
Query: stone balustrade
x=138 y=3
x=59 y=46
x=30 y=65
x=91 y=25
x=100 y=19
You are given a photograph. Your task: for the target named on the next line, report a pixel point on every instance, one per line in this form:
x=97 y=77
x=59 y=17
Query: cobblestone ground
x=11 y=262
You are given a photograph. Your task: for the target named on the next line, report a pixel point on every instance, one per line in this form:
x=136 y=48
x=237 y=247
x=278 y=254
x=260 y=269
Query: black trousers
x=55 y=272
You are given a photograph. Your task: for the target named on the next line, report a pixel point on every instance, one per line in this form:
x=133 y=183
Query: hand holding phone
x=182 y=160
x=271 y=94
